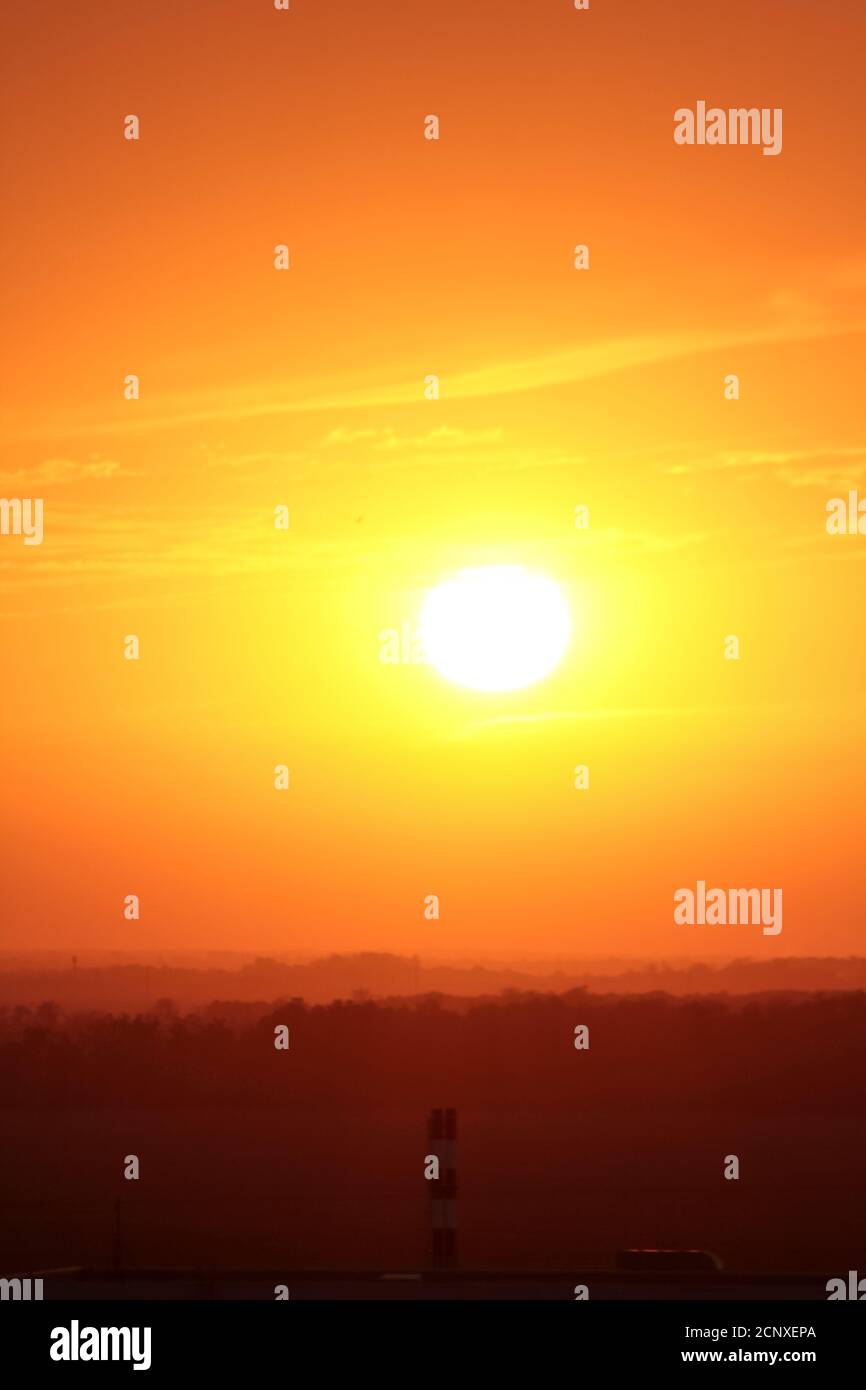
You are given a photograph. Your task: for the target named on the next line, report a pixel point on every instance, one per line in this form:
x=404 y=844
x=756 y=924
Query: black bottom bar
x=269 y=1337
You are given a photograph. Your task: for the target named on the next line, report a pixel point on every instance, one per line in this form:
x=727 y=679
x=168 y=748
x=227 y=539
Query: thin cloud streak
x=584 y=363
x=506 y=721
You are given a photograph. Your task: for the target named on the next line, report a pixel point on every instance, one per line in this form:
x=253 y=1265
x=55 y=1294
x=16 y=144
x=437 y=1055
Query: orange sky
x=558 y=388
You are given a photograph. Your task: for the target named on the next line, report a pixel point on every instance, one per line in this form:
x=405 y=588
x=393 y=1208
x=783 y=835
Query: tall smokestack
x=442 y=1140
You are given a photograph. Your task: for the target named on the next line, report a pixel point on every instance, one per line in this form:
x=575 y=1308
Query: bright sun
x=496 y=628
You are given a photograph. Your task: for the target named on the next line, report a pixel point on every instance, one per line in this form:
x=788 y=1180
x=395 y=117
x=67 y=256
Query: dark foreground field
x=313 y=1158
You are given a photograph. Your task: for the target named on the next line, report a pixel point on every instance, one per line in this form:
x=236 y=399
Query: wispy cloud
x=829 y=466
x=571 y=716
x=584 y=362
x=218 y=544
x=58 y=470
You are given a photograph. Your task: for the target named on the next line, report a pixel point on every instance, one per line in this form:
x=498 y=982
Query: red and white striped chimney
x=442 y=1140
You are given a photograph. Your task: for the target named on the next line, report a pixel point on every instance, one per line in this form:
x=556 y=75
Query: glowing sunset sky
x=559 y=388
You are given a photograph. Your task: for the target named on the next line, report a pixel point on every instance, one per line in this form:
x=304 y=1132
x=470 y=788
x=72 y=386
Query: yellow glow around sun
x=495 y=628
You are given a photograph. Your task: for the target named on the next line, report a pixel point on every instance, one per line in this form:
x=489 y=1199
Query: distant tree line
x=769 y=1052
